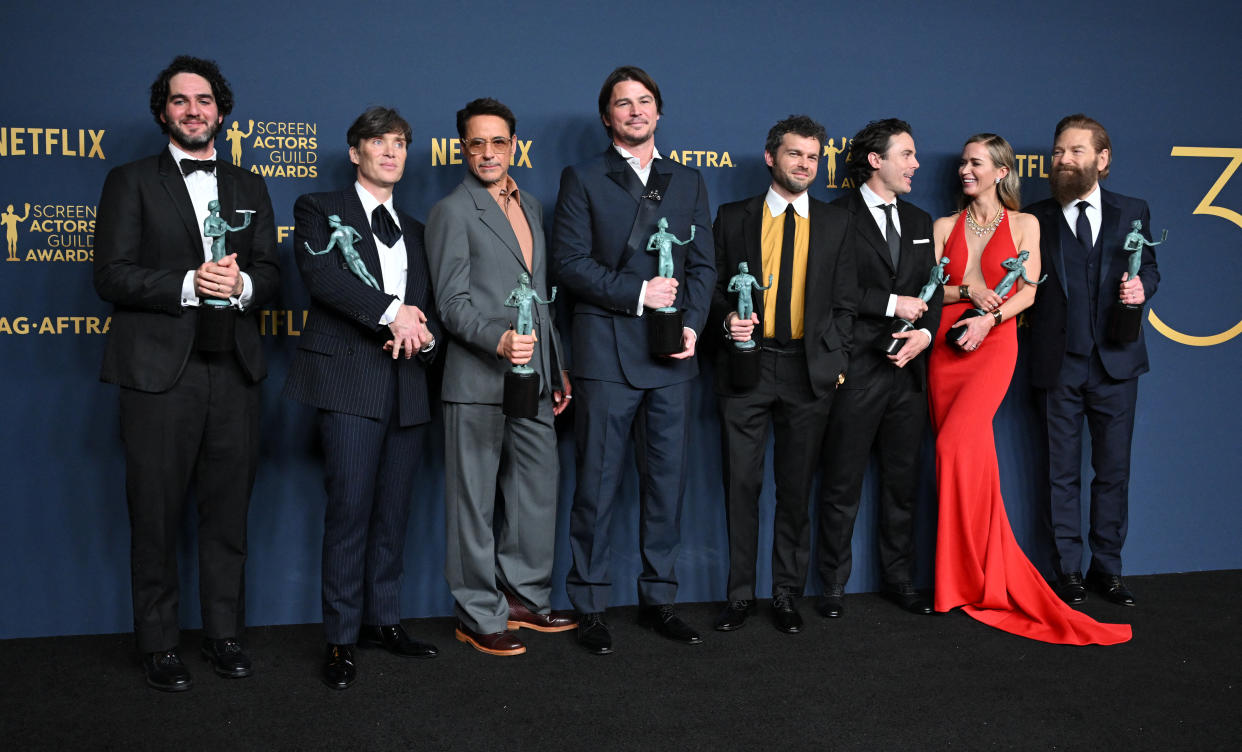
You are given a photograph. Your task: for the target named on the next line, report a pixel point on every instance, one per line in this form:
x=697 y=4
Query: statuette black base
x=664 y=332
x=1124 y=323
x=891 y=345
x=216 y=329
x=521 y=398
x=744 y=367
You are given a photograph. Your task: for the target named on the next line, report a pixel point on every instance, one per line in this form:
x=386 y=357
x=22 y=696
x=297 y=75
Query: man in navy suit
x=362 y=361
x=607 y=210
x=797 y=246
x=186 y=412
x=883 y=402
x=1079 y=370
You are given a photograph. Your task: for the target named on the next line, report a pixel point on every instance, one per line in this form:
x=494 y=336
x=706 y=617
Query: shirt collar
x=1092 y=198
x=777 y=203
x=633 y=160
x=871 y=198
x=369 y=203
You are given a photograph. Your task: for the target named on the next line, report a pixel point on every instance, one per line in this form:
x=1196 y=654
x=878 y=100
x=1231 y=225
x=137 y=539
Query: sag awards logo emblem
x=57 y=232
x=275 y=149
x=831 y=152
x=51 y=142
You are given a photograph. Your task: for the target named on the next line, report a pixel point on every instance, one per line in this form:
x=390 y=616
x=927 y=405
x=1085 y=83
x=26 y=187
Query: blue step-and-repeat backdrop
x=75 y=104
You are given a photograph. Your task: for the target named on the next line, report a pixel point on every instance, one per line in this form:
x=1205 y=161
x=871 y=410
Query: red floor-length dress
x=979 y=565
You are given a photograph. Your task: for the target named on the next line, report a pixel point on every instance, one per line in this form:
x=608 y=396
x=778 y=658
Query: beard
x=790 y=183
x=1069 y=183
x=192 y=143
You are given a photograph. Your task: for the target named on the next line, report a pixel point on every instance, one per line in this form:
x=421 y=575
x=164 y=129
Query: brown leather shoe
x=496 y=643
x=520 y=616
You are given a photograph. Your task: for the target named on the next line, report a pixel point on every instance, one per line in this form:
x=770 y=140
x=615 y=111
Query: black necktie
x=190 y=165
x=1082 y=228
x=890 y=234
x=784 y=288
x=384 y=227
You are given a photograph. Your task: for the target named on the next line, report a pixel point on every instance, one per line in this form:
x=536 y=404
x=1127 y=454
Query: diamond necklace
x=980 y=230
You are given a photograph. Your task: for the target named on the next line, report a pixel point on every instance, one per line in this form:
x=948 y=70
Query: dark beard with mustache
x=191 y=144
x=1071 y=183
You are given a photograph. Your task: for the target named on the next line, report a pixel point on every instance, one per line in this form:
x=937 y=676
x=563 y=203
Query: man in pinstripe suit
x=362 y=361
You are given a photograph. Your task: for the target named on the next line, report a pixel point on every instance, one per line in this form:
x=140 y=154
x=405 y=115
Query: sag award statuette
x=521 y=399
x=890 y=344
x=216 y=317
x=344 y=237
x=744 y=356
x=1017 y=269
x=1125 y=319
x=664 y=324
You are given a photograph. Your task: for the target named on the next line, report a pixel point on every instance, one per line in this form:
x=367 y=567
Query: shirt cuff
x=247 y=293
x=390 y=313
x=189 y=298
x=892 y=305
x=642 y=293
x=929 y=335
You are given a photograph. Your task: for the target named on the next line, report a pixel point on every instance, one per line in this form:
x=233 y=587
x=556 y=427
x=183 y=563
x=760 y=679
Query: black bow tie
x=190 y=165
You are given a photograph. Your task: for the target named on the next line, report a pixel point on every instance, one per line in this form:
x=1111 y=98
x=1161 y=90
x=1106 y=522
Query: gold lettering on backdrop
x=1206 y=207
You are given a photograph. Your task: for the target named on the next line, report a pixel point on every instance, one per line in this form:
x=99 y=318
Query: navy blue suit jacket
x=1047 y=315
x=340 y=364
x=599 y=255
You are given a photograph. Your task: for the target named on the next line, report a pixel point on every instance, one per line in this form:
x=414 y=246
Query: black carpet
x=876 y=679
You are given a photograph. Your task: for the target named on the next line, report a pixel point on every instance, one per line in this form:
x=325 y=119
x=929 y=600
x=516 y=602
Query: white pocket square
x=922 y=240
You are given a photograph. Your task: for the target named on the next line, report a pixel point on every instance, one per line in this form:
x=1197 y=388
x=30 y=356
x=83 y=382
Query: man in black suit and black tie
x=186 y=412
x=798 y=243
x=1080 y=371
x=883 y=402
x=362 y=360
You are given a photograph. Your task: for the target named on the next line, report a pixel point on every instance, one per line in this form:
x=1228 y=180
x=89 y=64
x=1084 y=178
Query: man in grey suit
x=480 y=238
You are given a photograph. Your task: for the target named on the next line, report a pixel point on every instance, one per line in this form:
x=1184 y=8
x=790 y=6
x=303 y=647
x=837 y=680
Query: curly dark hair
x=200 y=67
x=799 y=125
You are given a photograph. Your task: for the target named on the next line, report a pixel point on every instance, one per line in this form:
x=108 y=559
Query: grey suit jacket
x=475 y=261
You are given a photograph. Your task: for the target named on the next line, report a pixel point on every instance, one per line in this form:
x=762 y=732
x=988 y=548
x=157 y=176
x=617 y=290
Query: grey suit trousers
x=506 y=542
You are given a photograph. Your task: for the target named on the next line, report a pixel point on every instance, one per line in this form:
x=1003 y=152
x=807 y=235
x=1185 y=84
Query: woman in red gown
x=979 y=565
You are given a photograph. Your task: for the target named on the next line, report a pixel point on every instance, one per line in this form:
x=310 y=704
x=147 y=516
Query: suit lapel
x=620 y=172
x=1052 y=228
x=870 y=231
x=752 y=237
x=495 y=220
x=174 y=184
x=356 y=217
x=1110 y=227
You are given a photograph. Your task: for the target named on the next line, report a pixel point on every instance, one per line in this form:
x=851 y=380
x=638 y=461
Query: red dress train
x=979 y=564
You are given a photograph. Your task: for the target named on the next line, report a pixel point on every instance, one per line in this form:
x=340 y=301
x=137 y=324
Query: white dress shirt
x=1094 y=215
x=202 y=188
x=394 y=263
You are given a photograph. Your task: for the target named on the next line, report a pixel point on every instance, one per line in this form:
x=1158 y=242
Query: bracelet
x=996 y=314
x=963 y=292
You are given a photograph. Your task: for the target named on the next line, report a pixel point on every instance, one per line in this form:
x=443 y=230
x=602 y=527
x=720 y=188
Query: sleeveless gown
x=979 y=565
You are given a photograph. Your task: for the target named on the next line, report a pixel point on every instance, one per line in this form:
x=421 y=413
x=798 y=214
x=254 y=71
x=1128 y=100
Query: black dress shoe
x=667 y=624
x=785 y=614
x=338 y=667
x=226 y=658
x=166 y=672
x=392 y=637
x=734 y=615
x=1071 y=589
x=593 y=633
x=831 y=604
x=904 y=595
x=1111 y=587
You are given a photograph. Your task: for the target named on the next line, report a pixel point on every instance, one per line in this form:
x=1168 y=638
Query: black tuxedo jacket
x=340 y=364
x=599 y=255
x=831 y=286
x=1047 y=314
x=146 y=239
x=877 y=280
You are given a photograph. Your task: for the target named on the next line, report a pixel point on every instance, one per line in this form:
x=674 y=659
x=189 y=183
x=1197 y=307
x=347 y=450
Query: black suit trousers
x=783 y=400
x=890 y=413
x=205 y=431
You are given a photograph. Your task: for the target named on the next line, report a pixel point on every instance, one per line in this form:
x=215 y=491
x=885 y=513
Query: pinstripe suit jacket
x=340 y=364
